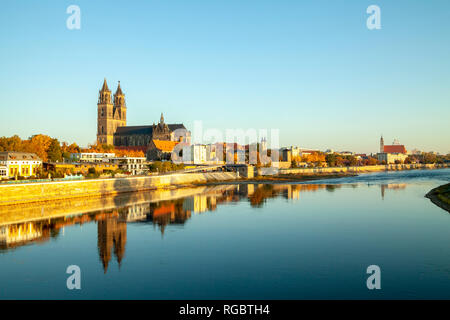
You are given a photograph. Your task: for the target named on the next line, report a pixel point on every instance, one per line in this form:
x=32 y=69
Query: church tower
x=120 y=109
x=109 y=115
x=381 y=144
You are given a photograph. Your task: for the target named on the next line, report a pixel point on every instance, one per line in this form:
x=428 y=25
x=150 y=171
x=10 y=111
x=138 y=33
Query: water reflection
x=112 y=234
x=391 y=186
x=35 y=223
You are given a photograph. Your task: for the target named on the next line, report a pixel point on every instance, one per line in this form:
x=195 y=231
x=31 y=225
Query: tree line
x=50 y=149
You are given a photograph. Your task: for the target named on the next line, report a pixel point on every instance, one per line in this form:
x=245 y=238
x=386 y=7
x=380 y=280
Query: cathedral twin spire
x=105 y=94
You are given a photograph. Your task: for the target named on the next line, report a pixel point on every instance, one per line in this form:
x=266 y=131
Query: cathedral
x=112 y=126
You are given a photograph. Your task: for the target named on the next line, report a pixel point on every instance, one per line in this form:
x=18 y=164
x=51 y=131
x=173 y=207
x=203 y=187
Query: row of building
x=22 y=164
x=159 y=141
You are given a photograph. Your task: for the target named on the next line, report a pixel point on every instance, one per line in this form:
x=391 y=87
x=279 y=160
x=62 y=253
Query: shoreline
x=440 y=196
x=16 y=194
x=280 y=179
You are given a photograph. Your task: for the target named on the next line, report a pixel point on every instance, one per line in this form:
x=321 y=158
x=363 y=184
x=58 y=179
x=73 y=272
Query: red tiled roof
x=133 y=148
x=395 y=148
x=164 y=209
x=165 y=145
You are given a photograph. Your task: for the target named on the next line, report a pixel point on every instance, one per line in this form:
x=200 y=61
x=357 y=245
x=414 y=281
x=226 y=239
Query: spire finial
x=119 y=90
x=162 y=118
x=105 y=85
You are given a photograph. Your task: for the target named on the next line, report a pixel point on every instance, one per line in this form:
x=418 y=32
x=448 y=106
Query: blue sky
x=310 y=68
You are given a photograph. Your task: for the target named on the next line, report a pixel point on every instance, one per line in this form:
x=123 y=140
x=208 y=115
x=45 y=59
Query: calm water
x=235 y=242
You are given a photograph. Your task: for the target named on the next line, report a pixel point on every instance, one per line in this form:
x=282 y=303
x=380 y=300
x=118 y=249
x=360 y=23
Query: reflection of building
x=19 y=234
x=392 y=186
x=138 y=212
x=112 y=234
x=292 y=192
x=144 y=209
x=197 y=204
x=19 y=164
x=169 y=212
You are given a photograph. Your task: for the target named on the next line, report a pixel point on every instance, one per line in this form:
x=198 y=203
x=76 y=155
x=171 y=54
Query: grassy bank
x=440 y=196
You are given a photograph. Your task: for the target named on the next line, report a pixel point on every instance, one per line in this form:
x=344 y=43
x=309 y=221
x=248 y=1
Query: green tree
x=428 y=157
x=54 y=153
x=331 y=159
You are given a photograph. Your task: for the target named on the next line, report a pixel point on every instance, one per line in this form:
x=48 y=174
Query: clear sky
x=310 y=68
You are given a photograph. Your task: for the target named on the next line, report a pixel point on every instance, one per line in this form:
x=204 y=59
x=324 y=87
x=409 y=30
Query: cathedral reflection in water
x=149 y=209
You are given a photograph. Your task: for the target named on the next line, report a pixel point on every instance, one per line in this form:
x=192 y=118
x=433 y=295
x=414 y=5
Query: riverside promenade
x=11 y=194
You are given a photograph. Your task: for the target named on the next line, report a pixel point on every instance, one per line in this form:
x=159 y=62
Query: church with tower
x=112 y=126
x=390 y=154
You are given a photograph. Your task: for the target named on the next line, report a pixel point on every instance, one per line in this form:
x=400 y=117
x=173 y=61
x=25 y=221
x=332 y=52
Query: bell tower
x=381 y=144
x=110 y=114
x=120 y=108
x=105 y=129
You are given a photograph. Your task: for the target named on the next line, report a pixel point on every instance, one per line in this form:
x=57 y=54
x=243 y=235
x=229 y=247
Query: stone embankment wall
x=36 y=211
x=48 y=191
x=363 y=169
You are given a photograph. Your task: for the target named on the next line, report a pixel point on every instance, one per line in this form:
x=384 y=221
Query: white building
x=391 y=158
x=3 y=171
x=134 y=165
x=91 y=157
x=195 y=154
x=19 y=164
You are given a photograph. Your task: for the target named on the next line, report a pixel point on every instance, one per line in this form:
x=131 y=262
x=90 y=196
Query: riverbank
x=11 y=194
x=282 y=178
x=51 y=191
x=440 y=196
x=360 y=169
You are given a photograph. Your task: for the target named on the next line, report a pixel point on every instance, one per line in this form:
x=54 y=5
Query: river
x=298 y=241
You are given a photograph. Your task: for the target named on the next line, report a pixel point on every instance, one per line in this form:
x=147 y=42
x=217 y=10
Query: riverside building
x=20 y=164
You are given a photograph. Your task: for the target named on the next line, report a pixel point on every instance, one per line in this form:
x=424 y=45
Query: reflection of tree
x=54 y=233
x=258 y=198
x=331 y=187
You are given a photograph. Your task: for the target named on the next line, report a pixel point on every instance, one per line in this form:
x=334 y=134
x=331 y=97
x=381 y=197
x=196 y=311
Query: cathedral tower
x=110 y=116
x=120 y=109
